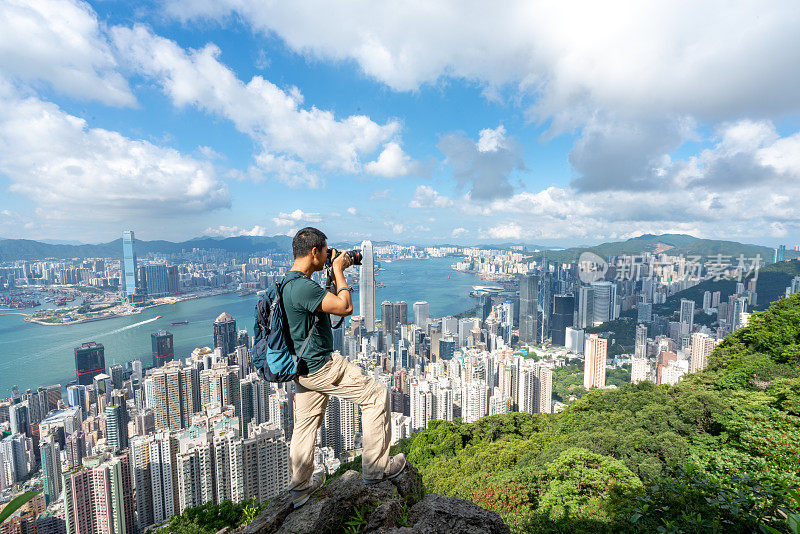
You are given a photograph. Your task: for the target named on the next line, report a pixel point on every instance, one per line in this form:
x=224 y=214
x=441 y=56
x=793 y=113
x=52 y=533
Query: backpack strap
x=296 y=356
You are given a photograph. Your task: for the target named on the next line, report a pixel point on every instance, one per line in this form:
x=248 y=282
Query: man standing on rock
x=323 y=373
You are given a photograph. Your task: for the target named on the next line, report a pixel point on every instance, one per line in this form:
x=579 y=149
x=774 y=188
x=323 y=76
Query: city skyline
x=181 y=119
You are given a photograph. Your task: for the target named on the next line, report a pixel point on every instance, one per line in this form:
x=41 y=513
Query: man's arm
x=341 y=303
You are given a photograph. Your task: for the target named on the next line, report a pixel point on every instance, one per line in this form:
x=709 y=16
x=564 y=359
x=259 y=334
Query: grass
x=15 y=504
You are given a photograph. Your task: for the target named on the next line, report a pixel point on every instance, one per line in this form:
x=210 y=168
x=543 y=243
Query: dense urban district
x=635 y=386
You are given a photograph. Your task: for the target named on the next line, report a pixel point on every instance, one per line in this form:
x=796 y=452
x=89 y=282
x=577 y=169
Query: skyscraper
x=129 y=270
x=421 y=313
x=225 y=333
x=687 y=314
x=563 y=313
x=644 y=312
x=604 y=301
x=640 y=347
x=594 y=370
x=157 y=280
x=585 y=307
x=393 y=314
x=528 y=305
x=366 y=286
x=51 y=470
x=90 y=361
x=163 y=351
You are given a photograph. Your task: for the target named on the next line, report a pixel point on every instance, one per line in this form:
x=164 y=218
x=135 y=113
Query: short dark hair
x=306 y=239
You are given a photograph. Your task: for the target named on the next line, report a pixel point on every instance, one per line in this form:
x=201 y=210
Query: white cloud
x=643 y=57
x=504 y=231
x=70 y=170
x=630 y=78
x=397 y=228
x=458 y=232
x=288 y=219
x=391 y=163
x=427 y=197
x=352 y=211
x=60 y=42
x=235 y=231
x=380 y=194
x=483 y=167
x=290 y=136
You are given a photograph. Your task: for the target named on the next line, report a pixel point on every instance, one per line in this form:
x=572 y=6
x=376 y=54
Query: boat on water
x=176 y=323
x=158 y=317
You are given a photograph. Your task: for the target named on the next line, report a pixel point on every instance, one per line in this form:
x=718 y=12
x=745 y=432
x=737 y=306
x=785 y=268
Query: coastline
x=131 y=312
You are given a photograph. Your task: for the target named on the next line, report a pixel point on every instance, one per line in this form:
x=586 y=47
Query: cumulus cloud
x=459 y=232
x=352 y=211
x=509 y=230
x=290 y=136
x=70 y=170
x=627 y=77
x=235 y=231
x=392 y=162
x=427 y=197
x=483 y=168
x=289 y=219
x=60 y=42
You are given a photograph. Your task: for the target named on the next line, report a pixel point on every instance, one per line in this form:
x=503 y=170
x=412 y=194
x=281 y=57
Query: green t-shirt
x=301 y=298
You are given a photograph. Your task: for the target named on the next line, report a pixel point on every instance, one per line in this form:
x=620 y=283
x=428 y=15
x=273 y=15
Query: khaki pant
x=342 y=379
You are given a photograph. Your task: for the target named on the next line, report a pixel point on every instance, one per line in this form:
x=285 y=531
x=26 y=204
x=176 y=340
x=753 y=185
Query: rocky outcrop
x=399 y=506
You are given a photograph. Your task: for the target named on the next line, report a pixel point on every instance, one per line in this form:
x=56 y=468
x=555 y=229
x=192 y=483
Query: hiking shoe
x=300 y=497
x=397 y=464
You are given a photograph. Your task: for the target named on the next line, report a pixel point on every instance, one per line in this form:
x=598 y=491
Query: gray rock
x=271 y=519
x=409 y=485
x=384 y=517
x=437 y=513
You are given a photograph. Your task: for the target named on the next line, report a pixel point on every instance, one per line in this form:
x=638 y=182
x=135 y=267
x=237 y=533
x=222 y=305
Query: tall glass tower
x=128 y=263
x=528 y=307
x=366 y=286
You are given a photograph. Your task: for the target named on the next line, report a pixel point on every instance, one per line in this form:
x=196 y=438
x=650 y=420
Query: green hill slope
x=719 y=452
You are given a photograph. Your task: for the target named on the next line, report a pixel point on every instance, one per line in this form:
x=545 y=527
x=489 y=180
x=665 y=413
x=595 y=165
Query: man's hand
x=341 y=260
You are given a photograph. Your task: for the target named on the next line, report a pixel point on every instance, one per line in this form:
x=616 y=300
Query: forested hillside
x=719 y=452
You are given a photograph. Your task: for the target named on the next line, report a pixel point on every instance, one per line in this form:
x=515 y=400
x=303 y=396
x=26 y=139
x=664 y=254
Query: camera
x=355 y=256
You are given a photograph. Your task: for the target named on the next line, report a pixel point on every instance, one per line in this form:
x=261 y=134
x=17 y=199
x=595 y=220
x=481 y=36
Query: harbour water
x=34 y=355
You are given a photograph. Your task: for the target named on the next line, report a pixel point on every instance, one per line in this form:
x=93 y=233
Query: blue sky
x=445 y=122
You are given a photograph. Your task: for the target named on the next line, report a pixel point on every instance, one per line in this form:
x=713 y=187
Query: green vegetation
x=568 y=380
x=719 y=452
x=210 y=518
x=16 y=503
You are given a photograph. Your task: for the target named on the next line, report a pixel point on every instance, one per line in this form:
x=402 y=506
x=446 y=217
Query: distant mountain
x=672 y=244
x=26 y=249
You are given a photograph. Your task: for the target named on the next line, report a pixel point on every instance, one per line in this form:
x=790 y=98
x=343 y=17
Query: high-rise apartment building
x=172 y=395
x=225 y=333
x=644 y=312
x=528 y=308
x=640 y=369
x=366 y=286
x=573 y=340
x=98 y=497
x=49 y=457
x=129 y=271
x=163 y=351
x=90 y=361
x=421 y=313
x=594 y=370
x=702 y=347
x=687 y=315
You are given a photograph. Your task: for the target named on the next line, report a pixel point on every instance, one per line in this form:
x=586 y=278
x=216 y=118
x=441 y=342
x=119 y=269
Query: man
x=322 y=373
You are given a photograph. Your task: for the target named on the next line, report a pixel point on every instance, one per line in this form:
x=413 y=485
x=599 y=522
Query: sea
x=34 y=355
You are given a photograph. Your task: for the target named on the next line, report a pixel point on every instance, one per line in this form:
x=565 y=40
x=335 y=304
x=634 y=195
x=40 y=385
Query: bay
x=34 y=355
